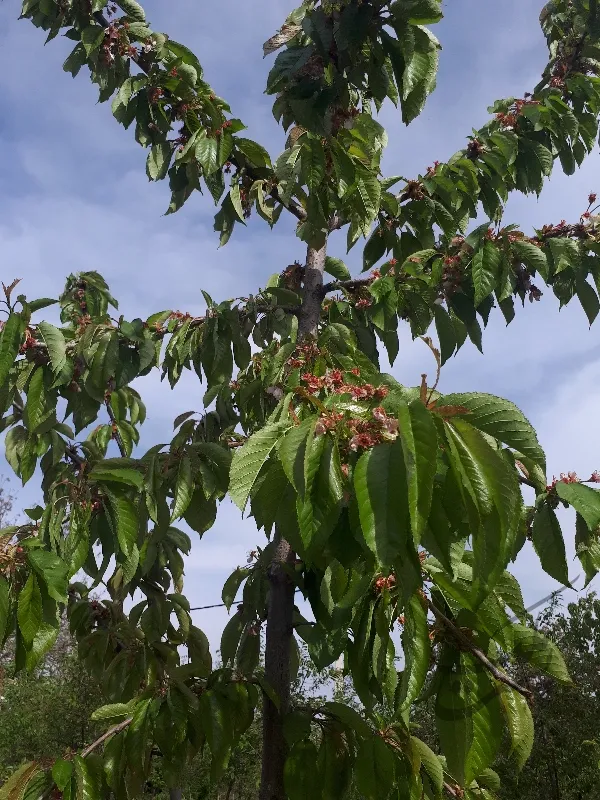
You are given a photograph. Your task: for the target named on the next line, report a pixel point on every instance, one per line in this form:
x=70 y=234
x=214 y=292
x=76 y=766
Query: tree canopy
x=382 y=505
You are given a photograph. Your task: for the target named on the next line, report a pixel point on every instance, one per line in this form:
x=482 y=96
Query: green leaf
x=88 y=778
x=565 y=253
x=337 y=268
x=420 y=447
x=453 y=721
x=584 y=499
x=374 y=768
x=587 y=548
x=124 y=520
x=14 y=788
x=369 y=191
x=549 y=544
x=236 y=202
x=301 y=777
x=158 y=161
x=256 y=154
x=319 y=509
x=53 y=571
x=417 y=12
x=349 y=717
x=184 y=488
x=217 y=723
x=446 y=333
x=485 y=271
x=588 y=299
x=540 y=652
x=532 y=256
x=417 y=652
x=249 y=459
x=57 y=347
x=10 y=342
x=430 y=762
x=207 y=150
x=61 y=773
x=380 y=481
x=133 y=10
x=232 y=584
x=29 y=610
x=121 y=475
x=113 y=711
x=501 y=419
x=519 y=722
x=486 y=718
x=490 y=485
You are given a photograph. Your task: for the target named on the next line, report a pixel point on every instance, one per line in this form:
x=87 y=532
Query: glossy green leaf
x=430 y=762
x=420 y=447
x=534 y=648
x=485 y=270
x=29 y=609
x=184 y=488
x=380 y=481
x=123 y=475
x=519 y=722
x=249 y=459
x=584 y=499
x=53 y=571
x=501 y=419
x=549 y=544
x=417 y=652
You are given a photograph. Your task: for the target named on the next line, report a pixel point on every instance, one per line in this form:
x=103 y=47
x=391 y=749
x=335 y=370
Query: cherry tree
x=385 y=507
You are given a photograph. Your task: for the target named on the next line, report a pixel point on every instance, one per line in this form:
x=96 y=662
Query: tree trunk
x=281 y=591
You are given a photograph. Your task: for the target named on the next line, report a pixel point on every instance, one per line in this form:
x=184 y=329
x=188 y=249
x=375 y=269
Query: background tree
x=379 y=501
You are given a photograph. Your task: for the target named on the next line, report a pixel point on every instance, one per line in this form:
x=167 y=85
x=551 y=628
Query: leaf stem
x=468 y=645
x=110 y=732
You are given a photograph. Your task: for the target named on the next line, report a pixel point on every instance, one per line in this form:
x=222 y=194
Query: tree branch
x=117 y=435
x=468 y=645
x=110 y=732
x=292 y=206
x=355 y=283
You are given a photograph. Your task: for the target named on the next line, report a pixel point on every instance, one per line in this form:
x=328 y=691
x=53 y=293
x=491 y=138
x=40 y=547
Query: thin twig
x=110 y=732
x=116 y=434
x=526 y=482
x=468 y=645
x=355 y=283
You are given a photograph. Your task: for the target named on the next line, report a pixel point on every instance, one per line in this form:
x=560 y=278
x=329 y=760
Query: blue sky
x=74 y=196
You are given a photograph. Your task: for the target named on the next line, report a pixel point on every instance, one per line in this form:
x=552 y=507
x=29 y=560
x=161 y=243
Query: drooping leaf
x=301 y=777
x=29 y=609
x=53 y=571
x=10 y=342
x=549 y=544
x=540 y=652
x=380 y=484
x=519 y=722
x=420 y=446
x=417 y=651
x=374 y=768
x=501 y=419
x=249 y=459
